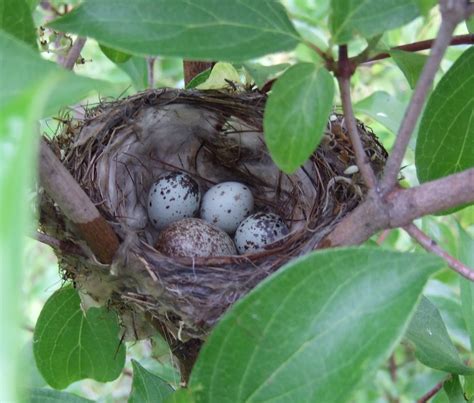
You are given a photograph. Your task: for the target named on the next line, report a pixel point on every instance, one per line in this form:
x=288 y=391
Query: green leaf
x=296 y=114
x=470 y=25
x=384 y=108
x=312 y=331
x=114 y=55
x=466 y=255
x=181 y=396
x=38 y=395
x=203 y=30
x=147 y=387
x=137 y=69
x=411 y=64
x=16 y=19
x=368 y=17
x=261 y=74
x=446 y=136
x=425 y=6
x=453 y=389
x=199 y=79
x=70 y=345
x=433 y=345
x=219 y=74
x=22 y=68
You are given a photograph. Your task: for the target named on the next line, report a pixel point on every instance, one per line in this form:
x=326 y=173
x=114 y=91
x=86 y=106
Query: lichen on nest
x=119 y=149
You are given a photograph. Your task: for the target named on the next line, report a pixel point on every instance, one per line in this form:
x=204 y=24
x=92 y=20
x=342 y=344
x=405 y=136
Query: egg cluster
x=174 y=202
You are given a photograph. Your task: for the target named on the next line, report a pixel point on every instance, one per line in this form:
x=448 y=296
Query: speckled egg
x=173 y=197
x=259 y=230
x=194 y=237
x=226 y=205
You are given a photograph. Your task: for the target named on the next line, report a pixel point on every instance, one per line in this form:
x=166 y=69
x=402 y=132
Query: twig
x=431 y=246
x=452 y=13
x=428 y=395
x=150 y=63
x=344 y=73
x=393 y=368
x=74 y=53
x=466 y=39
x=63 y=246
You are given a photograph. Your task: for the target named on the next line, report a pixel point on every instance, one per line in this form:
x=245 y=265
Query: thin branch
x=431 y=246
x=428 y=395
x=451 y=16
x=74 y=53
x=63 y=246
x=344 y=73
x=467 y=39
x=150 y=63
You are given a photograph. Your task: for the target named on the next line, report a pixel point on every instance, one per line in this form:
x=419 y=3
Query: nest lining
x=119 y=150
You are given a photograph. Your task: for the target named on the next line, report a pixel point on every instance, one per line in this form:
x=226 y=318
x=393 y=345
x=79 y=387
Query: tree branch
x=452 y=13
x=467 y=39
x=428 y=395
x=63 y=246
x=401 y=207
x=343 y=77
x=431 y=246
x=150 y=63
x=74 y=53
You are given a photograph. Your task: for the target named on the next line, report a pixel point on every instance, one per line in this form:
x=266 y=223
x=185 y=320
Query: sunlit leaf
x=203 y=30
x=70 y=345
x=220 y=76
x=311 y=332
x=296 y=114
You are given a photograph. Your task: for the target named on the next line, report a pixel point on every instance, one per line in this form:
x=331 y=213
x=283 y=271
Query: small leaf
x=453 y=389
x=368 y=17
x=199 y=79
x=16 y=19
x=411 y=64
x=466 y=255
x=70 y=346
x=470 y=25
x=114 y=55
x=384 y=108
x=38 y=395
x=311 y=332
x=203 y=30
x=261 y=74
x=446 y=136
x=219 y=74
x=147 y=387
x=296 y=114
x=137 y=69
x=21 y=68
x=181 y=396
x=433 y=345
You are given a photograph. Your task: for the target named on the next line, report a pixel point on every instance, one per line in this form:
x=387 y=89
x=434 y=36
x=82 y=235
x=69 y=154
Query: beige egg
x=193 y=237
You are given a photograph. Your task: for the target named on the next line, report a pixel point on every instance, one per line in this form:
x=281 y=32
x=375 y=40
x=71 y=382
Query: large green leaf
x=296 y=114
x=205 y=30
x=22 y=68
x=147 y=387
x=446 y=137
x=314 y=330
x=466 y=255
x=16 y=19
x=368 y=17
x=411 y=64
x=38 y=395
x=433 y=345
x=70 y=345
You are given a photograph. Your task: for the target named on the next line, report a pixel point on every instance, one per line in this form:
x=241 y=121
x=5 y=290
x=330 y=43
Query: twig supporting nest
x=121 y=147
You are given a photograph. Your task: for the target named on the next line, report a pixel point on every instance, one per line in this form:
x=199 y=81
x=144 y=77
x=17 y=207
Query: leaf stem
x=74 y=53
x=343 y=77
x=428 y=395
x=431 y=246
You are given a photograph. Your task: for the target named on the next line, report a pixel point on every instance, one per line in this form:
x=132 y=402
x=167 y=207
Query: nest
x=119 y=149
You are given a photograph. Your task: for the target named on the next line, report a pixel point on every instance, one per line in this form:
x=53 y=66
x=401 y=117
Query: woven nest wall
x=120 y=148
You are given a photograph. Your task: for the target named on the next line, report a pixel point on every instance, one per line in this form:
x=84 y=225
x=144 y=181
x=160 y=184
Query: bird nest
x=119 y=149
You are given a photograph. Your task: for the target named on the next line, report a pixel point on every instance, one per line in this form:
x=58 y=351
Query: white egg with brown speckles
x=193 y=237
x=173 y=197
x=258 y=231
x=226 y=204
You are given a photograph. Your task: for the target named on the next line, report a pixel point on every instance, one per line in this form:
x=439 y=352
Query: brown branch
x=452 y=13
x=401 y=207
x=76 y=205
x=64 y=246
x=428 y=395
x=192 y=69
x=150 y=63
x=431 y=246
x=343 y=77
x=467 y=39
x=74 y=53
